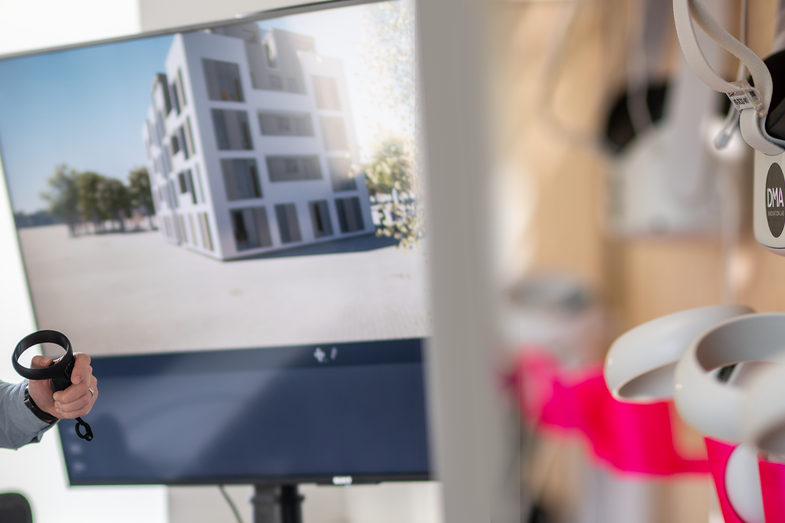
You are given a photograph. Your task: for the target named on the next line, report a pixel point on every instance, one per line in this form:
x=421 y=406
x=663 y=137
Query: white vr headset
x=761 y=106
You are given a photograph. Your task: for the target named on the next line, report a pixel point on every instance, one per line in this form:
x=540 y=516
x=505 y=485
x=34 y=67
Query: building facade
x=251 y=144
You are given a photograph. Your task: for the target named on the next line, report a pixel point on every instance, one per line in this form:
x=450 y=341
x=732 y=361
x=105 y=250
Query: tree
x=63 y=196
x=390 y=173
x=87 y=184
x=140 y=193
x=389 y=78
x=389 y=169
x=112 y=200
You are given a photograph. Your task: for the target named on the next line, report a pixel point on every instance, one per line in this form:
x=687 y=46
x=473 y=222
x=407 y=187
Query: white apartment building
x=251 y=142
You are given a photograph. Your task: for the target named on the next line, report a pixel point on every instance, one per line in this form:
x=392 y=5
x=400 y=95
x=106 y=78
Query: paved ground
x=134 y=292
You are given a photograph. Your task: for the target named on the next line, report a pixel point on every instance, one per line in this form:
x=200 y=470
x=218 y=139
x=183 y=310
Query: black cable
x=231 y=503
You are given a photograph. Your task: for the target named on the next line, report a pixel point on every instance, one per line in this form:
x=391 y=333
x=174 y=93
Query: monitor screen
x=228 y=219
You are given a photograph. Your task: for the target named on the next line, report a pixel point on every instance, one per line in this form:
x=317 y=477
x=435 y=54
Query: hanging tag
x=746 y=97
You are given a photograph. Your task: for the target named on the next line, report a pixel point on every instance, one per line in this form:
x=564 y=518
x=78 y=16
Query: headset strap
x=752 y=102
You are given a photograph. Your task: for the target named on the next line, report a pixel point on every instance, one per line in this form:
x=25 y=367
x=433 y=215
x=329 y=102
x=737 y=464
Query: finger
x=76 y=408
x=40 y=362
x=74 y=392
x=82 y=368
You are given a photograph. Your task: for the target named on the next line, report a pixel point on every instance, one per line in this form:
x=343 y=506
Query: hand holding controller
x=59 y=398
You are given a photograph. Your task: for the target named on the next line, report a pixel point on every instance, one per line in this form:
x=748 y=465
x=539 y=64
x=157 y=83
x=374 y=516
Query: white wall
x=38 y=470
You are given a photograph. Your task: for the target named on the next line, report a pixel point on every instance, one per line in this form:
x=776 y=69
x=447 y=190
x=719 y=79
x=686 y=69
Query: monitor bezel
x=257 y=16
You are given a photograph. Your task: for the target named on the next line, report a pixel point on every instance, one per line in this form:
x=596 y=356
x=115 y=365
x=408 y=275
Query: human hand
x=73 y=402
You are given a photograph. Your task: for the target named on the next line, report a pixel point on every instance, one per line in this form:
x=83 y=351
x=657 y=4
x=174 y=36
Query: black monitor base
x=277 y=504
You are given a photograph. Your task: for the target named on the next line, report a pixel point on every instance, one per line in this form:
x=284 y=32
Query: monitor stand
x=277 y=504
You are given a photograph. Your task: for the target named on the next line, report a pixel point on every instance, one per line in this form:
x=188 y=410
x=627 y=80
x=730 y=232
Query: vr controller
x=58 y=373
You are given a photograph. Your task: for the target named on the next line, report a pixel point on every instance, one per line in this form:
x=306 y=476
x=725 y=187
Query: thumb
x=40 y=362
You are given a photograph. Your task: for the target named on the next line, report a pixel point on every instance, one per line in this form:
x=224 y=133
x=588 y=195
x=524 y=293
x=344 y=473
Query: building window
x=251 y=228
x=183 y=183
x=189 y=136
x=320 y=219
x=199 y=181
x=283 y=124
x=189 y=177
x=241 y=179
x=175 y=97
x=231 y=130
x=325 y=89
x=350 y=214
x=293 y=168
x=291 y=85
x=288 y=225
x=183 y=142
x=160 y=128
x=270 y=51
x=275 y=83
x=175 y=145
x=207 y=239
x=181 y=86
x=223 y=81
x=161 y=87
x=334 y=133
x=172 y=195
x=341 y=175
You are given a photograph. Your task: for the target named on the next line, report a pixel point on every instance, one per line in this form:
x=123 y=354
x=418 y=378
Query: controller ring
x=56 y=370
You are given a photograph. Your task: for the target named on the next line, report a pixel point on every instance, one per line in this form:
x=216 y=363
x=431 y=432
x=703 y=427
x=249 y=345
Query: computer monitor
x=228 y=219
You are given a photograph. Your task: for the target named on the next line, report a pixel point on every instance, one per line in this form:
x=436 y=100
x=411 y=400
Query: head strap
x=752 y=102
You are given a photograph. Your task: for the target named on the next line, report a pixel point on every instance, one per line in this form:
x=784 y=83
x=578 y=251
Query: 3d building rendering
x=250 y=143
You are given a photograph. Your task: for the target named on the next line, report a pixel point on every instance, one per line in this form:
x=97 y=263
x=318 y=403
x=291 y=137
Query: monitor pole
x=277 y=504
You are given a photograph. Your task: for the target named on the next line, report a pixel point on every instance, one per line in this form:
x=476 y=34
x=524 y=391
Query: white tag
x=746 y=97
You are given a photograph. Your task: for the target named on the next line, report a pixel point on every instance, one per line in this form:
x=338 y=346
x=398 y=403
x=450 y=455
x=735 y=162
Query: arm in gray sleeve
x=18 y=426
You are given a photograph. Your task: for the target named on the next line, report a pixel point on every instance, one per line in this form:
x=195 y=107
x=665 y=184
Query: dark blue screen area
x=303 y=413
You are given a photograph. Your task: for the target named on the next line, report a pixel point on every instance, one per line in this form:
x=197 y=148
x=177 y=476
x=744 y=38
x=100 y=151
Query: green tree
x=141 y=194
x=113 y=200
x=389 y=80
x=389 y=169
x=390 y=178
x=63 y=196
x=87 y=184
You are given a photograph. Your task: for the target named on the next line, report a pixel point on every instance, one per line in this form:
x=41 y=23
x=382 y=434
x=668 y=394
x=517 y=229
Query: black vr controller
x=58 y=373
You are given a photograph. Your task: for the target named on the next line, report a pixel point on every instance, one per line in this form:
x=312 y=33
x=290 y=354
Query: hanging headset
x=753 y=101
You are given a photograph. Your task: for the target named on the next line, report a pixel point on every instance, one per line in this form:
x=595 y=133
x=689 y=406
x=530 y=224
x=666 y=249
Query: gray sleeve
x=18 y=426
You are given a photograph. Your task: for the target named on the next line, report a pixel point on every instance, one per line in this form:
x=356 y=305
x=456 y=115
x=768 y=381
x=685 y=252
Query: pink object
x=719 y=454
x=772 y=482
x=635 y=438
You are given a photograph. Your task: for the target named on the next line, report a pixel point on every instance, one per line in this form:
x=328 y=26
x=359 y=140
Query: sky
x=85 y=107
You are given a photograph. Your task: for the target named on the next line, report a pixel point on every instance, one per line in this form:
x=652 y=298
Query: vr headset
x=760 y=102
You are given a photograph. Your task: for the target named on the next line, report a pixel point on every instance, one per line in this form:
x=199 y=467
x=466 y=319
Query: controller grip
x=62 y=383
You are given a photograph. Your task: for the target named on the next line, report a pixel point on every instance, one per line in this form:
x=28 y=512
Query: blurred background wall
x=559 y=68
